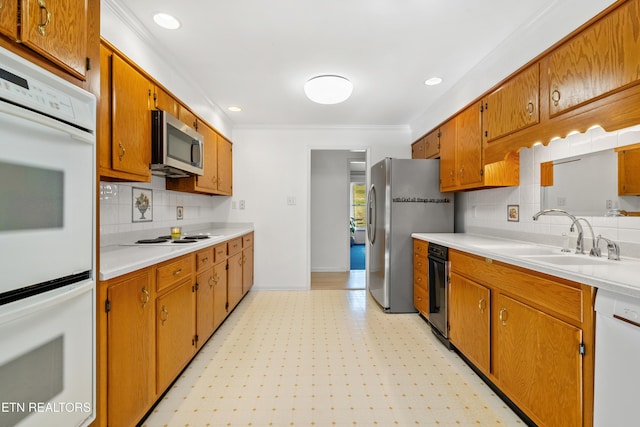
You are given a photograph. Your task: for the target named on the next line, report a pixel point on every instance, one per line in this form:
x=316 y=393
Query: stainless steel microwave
x=177 y=149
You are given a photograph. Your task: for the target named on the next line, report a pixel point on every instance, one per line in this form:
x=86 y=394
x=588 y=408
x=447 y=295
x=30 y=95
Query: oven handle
x=81 y=135
x=29 y=306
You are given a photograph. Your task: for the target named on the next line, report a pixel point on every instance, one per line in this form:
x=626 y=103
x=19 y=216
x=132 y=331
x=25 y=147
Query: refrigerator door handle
x=371 y=217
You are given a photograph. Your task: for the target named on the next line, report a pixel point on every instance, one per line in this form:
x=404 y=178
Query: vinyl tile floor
x=326 y=358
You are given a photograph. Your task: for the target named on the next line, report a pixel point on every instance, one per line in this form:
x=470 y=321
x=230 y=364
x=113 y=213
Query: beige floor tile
x=326 y=358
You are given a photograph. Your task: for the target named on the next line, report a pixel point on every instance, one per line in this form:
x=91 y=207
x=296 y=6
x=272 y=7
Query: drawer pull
x=482 y=305
x=145 y=296
x=502 y=315
x=45 y=18
x=555 y=97
x=164 y=314
x=177 y=272
x=204 y=260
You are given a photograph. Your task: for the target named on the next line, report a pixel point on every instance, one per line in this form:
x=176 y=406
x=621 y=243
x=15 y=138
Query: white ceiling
x=258 y=54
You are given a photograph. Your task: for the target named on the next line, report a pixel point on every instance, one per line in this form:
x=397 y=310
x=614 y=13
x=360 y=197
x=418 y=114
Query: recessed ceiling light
x=328 y=89
x=433 y=81
x=234 y=108
x=166 y=21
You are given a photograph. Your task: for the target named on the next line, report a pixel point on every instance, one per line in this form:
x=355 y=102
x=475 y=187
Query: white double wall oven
x=47 y=245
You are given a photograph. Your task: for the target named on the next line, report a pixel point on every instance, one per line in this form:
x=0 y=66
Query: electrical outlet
x=609 y=204
x=179 y=212
x=562 y=201
x=241 y=204
x=291 y=200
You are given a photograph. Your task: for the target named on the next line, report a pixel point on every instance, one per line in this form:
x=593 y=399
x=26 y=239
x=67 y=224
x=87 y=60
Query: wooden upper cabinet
x=165 y=102
x=130 y=120
x=514 y=106
x=448 y=154
x=56 y=30
x=225 y=168
x=469 y=145
x=209 y=181
x=427 y=147
x=187 y=117
x=629 y=170
x=9 y=18
x=598 y=61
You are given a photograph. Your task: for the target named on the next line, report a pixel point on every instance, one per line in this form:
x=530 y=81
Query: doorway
x=338 y=219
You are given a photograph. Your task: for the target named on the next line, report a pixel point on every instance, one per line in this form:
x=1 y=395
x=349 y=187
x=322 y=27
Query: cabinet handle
x=215 y=278
x=503 y=316
x=164 y=314
x=1 y=4
x=530 y=108
x=419 y=280
x=212 y=281
x=178 y=271
x=44 y=13
x=555 y=97
x=482 y=305
x=145 y=297
x=462 y=171
x=204 y=260
x=122 y=151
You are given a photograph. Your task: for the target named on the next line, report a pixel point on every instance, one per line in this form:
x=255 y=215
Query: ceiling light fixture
x=234 y=108
x=328 y=89
x=166 y=21
x=433 y=81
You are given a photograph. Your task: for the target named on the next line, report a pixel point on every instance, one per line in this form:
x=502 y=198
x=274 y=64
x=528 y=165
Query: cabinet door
x=247 y=269
x=209 y=181
x=225 y=177
x=234 y=280
x=513 y=106
x=9 y=18
x=469 y=147
x=165 y=102
x=58 y=31
x=175 y=332
x=187 y=117
x=432 y=145
x=130 y=120
x=204 y=306
x=130 y=350
x=598 y=61
x=448 y=153
x=220 y=305
x=417 y=149
x=538 y=363
x=469 y=321
x=629 y=170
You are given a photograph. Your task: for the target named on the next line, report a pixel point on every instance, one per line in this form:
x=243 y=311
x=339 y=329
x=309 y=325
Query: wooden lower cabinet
x=155 y=319
x=421 y=277
x=131 y=351
x=530 y=334
x=469 y=320
x=175 y=332
x=538 y=363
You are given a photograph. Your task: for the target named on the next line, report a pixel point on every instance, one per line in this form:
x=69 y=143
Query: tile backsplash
x=485 y=211
x=116 y=207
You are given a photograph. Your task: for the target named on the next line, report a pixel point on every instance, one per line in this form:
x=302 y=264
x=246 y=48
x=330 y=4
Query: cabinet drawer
x=235 y=246
x=220 y=252
x=420 y=248
x=247 y=240
x=552 y=295
x=420 y=279
x=204 y=259
x=173 y=271
x=421 y=300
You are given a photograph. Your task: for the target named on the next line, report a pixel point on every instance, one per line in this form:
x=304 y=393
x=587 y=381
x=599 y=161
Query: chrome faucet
x=593 y=251
x=613 y=250
x=574 y=221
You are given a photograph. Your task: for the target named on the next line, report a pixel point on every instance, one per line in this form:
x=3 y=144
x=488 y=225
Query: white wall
x=271 y=165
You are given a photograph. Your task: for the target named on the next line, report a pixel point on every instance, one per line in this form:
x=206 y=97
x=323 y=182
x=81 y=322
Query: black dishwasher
x=438 y=277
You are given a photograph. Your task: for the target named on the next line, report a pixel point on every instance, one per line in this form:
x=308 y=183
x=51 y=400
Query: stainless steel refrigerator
x=404 y=198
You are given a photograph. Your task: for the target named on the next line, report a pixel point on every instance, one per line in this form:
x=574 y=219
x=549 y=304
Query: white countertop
x=618 y=276
x=116 y=259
